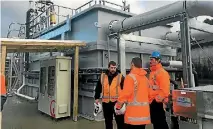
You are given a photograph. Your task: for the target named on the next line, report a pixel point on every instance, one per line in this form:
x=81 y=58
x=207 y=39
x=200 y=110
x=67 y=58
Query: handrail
x=84 y=5
x=37 y=26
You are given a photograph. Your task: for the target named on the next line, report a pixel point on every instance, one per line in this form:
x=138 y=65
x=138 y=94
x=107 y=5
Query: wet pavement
x=21 y=114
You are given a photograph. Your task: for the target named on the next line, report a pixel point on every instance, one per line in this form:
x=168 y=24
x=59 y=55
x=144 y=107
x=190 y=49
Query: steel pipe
x=174 y=64
x=193 y=8
x=198 y=29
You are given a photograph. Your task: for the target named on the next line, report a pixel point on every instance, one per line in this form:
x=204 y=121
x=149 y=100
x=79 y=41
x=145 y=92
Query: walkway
x=20 y=114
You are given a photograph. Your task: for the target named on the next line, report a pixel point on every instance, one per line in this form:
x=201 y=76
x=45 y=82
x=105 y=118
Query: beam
x=148 y=40
x=42 y=44
x=36 y=49
x=31 y=50
x=75 y=103
x=38 y=42
x=3 y=59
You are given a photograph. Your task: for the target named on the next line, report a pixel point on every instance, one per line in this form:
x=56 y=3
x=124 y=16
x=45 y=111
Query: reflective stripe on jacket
x=159 y=81
x=110 y=92
x=135 y=96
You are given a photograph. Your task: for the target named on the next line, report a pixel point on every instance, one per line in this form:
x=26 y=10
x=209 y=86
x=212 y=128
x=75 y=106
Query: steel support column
x=122 y=54
x=186 y=52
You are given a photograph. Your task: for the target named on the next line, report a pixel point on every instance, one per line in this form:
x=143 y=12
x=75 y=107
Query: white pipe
x=176 y=64
x=194 y=8
x=22 y=86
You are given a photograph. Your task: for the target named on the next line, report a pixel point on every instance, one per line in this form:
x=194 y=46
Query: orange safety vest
x=3 y=85
x=111 y=92
x=159 y=85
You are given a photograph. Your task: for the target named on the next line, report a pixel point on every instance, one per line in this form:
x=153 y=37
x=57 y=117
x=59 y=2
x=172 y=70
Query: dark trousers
x=175 y=124
x=158 y=117
x=127 y=126
x=108 y=110
x=3 y=100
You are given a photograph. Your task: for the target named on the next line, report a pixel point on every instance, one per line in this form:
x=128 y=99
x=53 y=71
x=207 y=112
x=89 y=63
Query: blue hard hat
x=155 y=54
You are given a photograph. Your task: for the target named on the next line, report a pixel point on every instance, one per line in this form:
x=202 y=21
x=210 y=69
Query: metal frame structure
x=182 y=12
x=13 y=71
x=30 y=45
x=185 y=44
x=138 y=39
x=177 y=11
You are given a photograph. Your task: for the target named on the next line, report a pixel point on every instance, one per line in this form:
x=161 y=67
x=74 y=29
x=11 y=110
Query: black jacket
x=98 y=88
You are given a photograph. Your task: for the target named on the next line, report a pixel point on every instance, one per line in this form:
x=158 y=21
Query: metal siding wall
x=35 y=66
x=113 y=57
x=89 y=59
x=202 y=63
x=83 y=27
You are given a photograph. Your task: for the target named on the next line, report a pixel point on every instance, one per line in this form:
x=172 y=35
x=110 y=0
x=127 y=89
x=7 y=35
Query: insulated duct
x=174 y=64
x=162 y=16
x=205 y=31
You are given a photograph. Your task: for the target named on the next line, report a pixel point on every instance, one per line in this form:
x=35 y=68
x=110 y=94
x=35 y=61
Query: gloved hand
x=121 y=110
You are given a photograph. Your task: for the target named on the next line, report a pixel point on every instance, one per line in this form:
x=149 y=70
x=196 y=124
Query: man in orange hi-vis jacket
x=3 y=92
x=159 y=81
x=135 y=97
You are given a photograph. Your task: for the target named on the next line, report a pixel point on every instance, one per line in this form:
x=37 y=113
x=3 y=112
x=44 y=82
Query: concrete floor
x=20 y=114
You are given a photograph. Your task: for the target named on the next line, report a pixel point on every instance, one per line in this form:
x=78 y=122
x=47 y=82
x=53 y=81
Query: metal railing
x=20 y=30
x=41 y=21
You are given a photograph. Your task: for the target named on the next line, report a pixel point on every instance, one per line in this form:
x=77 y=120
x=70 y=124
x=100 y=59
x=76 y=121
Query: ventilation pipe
x=162 y=16
x=205 y=31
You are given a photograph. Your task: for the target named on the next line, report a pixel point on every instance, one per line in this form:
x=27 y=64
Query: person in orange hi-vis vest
x=110 y=85
x=134 y=97
x=3 y=91
x=159 y=91
x=3 y=96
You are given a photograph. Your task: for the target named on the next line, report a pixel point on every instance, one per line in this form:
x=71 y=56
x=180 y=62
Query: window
x=43 y=80
x=51 y=80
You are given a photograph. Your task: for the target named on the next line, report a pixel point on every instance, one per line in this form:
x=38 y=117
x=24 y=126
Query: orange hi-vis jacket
x=135 y=96
x=111 y=92
x=3 y=85
x=159 y=81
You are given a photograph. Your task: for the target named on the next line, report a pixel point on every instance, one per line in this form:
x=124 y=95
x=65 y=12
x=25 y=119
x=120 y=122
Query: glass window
x=42 y=80
x=51 y=80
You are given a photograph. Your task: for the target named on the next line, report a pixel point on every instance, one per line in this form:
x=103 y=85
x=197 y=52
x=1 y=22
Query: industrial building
x=110 y=33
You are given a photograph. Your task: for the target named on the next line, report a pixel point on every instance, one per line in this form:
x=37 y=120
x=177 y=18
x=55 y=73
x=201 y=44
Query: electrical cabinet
x=194 y=107
x=55 y=86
